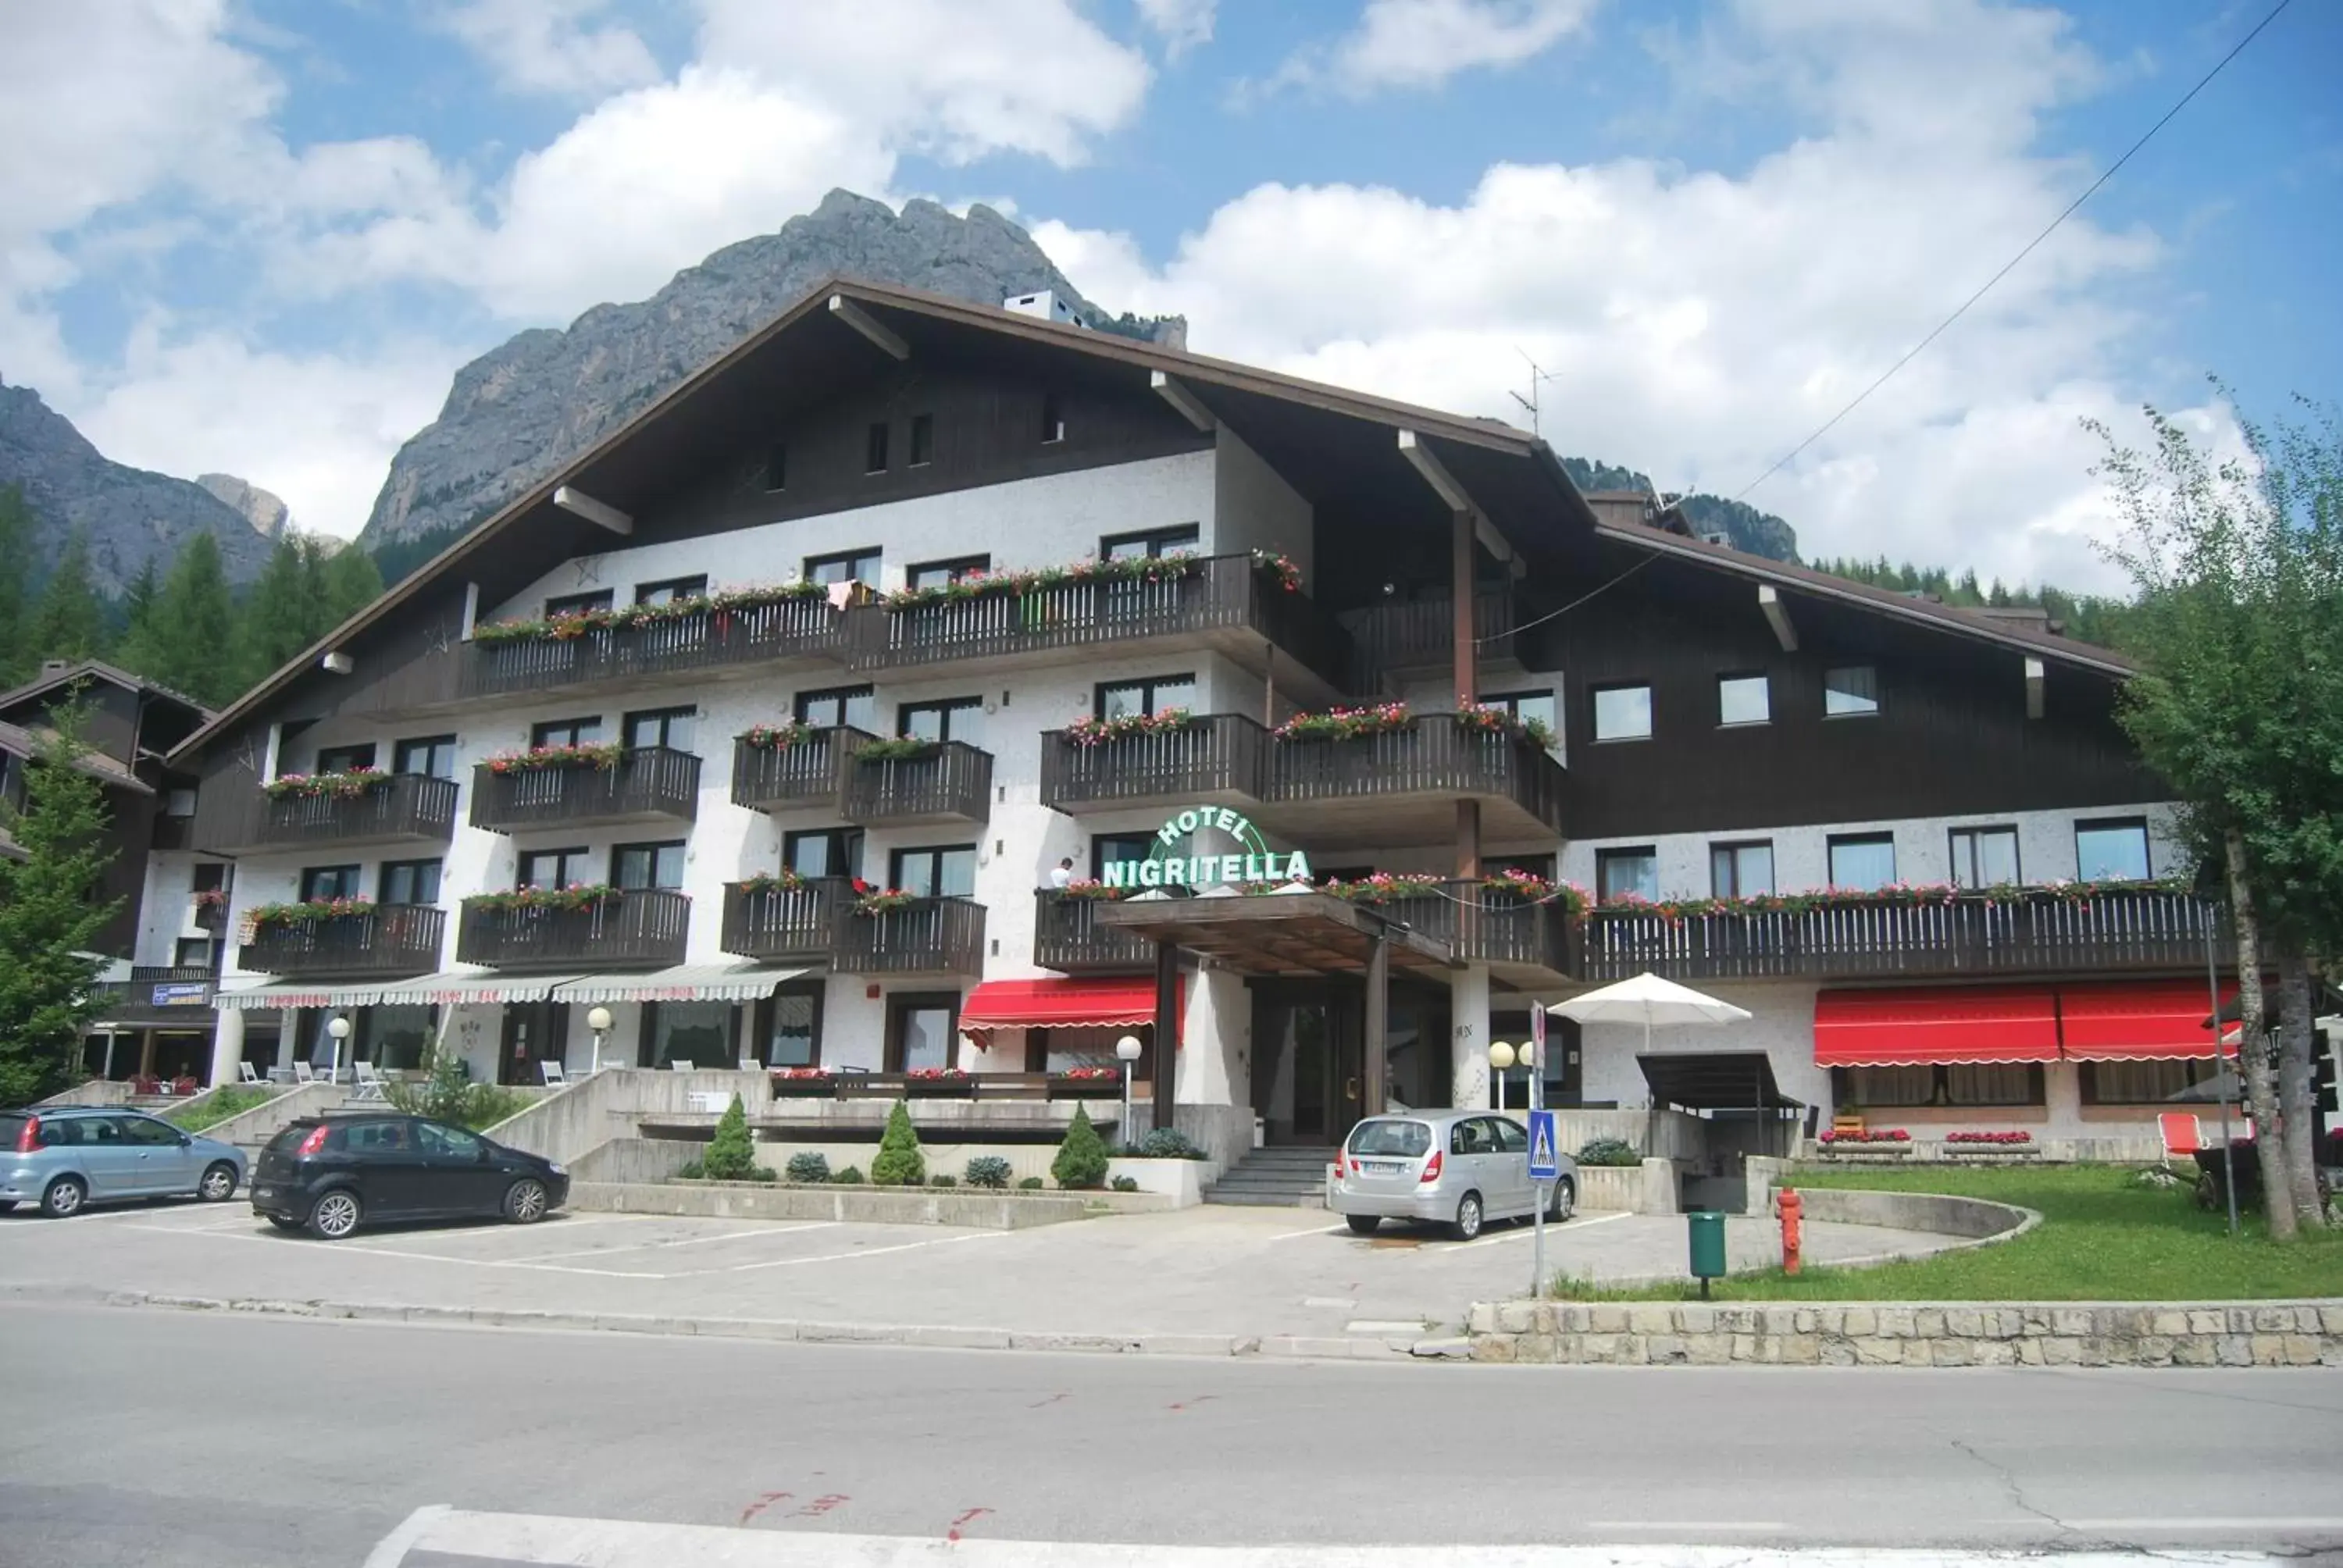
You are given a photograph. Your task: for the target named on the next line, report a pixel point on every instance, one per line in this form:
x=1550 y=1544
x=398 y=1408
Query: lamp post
x=1126 y=1051
x=1500 y=1057
x=339 y=1028
x=598 y=1021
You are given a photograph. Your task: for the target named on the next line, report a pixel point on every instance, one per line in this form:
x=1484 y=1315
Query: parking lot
x=1262 y=1273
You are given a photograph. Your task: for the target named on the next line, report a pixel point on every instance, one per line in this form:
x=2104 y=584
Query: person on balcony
x=1062 y=873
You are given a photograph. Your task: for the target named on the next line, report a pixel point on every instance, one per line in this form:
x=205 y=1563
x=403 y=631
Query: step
x=1252 y=1199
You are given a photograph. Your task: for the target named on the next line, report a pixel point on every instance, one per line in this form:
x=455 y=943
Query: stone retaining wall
x=864 y=1204
x=1913 y=1334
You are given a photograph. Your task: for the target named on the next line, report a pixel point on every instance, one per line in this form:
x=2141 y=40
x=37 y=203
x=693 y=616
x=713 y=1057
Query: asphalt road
x=170 y=1438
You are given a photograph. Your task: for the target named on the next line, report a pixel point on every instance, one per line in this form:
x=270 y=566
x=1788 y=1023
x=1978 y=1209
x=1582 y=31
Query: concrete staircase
x=1276 y=1177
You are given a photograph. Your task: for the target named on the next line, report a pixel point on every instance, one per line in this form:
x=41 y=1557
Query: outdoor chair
x=369 y=1082
x=750 y=1064
x=551 y=1071
x=248 y=1073
x=2184 y=1135
x=677 y=1064
x=304 y=1074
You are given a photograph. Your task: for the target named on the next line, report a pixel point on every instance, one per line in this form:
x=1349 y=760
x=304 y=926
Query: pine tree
x=280 y=612
x=1081 y=1158
x=900 y=1163
x=134 y=650
x=70 y=623
x=352 y=583
x=15 y=549
x=731 y=1156
x=49 y=919
x=193 y=627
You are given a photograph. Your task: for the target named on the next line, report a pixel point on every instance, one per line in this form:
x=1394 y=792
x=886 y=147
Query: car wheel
x=1467 y=1223
x=1362 y=1224
x=525 y=1202
x=336 y=1215
x=64 y=1197
x=282 y=1223
x=218 y=1184
x=1565 y=1202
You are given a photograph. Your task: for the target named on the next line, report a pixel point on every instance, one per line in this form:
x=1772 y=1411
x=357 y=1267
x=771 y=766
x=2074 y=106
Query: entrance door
x=533 y=1032
x=1306 y=1059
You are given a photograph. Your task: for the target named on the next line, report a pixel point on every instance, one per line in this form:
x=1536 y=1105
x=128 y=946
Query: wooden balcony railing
x=1421 y=634
x=643 y=927
x=1216 y=756
x=1217 y=593
x=404 y=808
x=797 y=630
x=811 y=773
x=2150 y=929
x=1068 y=936
x=1434 y=756
x=163 y=993
x=212 y=917
x=927 y=936
x=387 y=939
x=649 y=781
x=1482 y=925
x=951 y=783
x=784 y=922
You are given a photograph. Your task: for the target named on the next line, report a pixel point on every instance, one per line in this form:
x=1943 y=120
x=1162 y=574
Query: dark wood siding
x=228 y=792
x=130 y=831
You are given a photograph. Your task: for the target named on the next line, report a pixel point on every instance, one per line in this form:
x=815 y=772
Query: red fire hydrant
x=1793 y=1208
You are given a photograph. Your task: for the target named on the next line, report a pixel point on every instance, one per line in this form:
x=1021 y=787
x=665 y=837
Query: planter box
x=961 y=1088
x=1866 y=1151
x=1182 y=1181
x=804 y=1087
x=1088 y=1089
x=1989 y=1150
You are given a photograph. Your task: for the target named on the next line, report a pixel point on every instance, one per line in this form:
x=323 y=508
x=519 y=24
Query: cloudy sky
x=258 y=236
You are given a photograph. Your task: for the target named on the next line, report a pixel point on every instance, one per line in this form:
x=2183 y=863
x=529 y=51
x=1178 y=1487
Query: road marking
x=841 y=1257
x=1343 y=1302
x=2120 y=1526
x=1387 y=1326
x=365 y=1251
x=687 y=1241
x=1703 y=1526
x=1313 y=1231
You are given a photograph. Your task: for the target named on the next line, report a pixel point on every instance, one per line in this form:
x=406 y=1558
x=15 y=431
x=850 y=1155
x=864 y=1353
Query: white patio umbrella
x=1648 y=1000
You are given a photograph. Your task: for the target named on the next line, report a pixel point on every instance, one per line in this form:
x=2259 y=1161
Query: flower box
x=601 y=756
x=1087 y=732
x=1104 y=1084
x=939 y=1083
x=347 y=785
x=1347 y=723
x=804 y=1083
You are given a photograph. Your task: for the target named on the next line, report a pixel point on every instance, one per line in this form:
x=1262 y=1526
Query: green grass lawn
x=2104 y=1236
x=232 y=1099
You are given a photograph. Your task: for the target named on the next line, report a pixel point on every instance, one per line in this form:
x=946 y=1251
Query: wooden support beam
x=578 y=503
x=862 y=320
x=1777 y=615
x=1375 y=1095
x=1191 y=406
x=1167 y=1035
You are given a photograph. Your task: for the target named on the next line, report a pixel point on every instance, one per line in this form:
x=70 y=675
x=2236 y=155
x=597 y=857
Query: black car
x=333 y=1173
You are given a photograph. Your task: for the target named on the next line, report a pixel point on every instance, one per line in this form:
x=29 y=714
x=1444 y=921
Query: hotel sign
x=1175 y=860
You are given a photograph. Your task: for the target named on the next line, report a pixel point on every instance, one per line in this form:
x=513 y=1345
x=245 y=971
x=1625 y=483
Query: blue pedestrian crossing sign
x=1543 y=1165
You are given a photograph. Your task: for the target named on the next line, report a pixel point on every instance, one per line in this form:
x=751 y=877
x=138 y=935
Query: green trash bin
x=1704 y=1229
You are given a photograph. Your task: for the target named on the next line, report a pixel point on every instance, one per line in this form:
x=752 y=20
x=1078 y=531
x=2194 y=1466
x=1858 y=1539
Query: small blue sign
x=1544 y=1165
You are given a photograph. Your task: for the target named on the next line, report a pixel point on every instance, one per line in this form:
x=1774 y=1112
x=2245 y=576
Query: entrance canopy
x=1117 y=1003
x=1278 y=934
x=1714 y=1080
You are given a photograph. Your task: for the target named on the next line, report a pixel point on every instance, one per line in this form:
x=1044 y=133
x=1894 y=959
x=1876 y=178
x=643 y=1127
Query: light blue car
x=71 y=1156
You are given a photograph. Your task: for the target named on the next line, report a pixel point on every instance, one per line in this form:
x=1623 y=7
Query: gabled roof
x=19 y=741
x=98 y=669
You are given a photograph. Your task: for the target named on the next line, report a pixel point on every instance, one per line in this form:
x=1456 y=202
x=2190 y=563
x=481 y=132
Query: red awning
x=1061 y=1004
x=2136 y=1020
x=1915 y=1026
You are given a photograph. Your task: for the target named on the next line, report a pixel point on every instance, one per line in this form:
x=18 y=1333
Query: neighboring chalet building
x=163 y=942
x=629 y=744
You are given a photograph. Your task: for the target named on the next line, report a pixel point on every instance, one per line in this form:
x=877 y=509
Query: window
x=410 y=881
x=1983 y=857
x=792 y=1029
x=777 y=466
x=874 y=450
x=940 y=872
x=432 y=756
x=961 y=718
x=2142 y=1083
x=550 y=869
x=671 y=589
x=1892 y=1085
x=838 y=705
x=1850 y=691
x=147 y=1132
x=699 y=1032
x=193 y=953
x=1623 y=713
x=1154 y=542
x=345 y=758
x=1121 y=698
x=1064 y=1050
x=941 y=574
x=395 y=1036
x=2112 y=850
x=210 y=875
x=648 y=865
x=564 y=732
x=1741 y=870
x=1993 y=1083
x=447 y=1144
x=1053 y=419
x=923 y=439
x=669 y=727
x=375 y=1139
x=577 y=603
x=921 y=1029
x=824 y=852
x=846 y=566
x=1743 y=699
x=321 y=882
x=1526 y=705
x=1473 y=1135
x=1862 y=862
x=1620 y=872
x=1107 y=848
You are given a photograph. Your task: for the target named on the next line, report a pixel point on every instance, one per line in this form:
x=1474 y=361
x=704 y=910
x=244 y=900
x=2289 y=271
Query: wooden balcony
x=160 y=994
x=927 y=936
x=1523 y=941
x=402 y=808
x=1224 y=602
x=1401 y=787
x=2148 y=929
x=793 y=924
x=796 y=634
x=640 y=929
x=1222 y=757
x=648 y=784
x=1419 y=635
x=389 y=940
x=212 y=917
x=1069 y=937
x=809 y=776
x=952 y=783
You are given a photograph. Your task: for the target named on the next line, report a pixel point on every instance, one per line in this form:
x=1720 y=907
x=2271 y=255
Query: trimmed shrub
x=900 y=1163
x=1030 y=1184
x=1126 y=1183
x=940 y=1179
x=989 y=1170
x=1081 y=1158
x=731 y=1156
x=691 y=1170
x=849 y=1176
x=808 y=1165
x=1609 y=1151
x=1163 y=1143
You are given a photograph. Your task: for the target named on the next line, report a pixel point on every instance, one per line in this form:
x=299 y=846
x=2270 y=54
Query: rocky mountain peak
x=267 y=514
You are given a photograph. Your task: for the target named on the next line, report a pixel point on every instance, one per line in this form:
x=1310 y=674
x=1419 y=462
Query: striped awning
x=683 y=982
x=244 y=999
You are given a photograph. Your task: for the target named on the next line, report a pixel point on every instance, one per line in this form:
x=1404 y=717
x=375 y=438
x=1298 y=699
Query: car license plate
x=1384 y=1167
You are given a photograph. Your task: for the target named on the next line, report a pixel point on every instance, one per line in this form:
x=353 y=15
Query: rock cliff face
x=265 y=513
x=1744 y=525
x=130 y=516
x=519 y=411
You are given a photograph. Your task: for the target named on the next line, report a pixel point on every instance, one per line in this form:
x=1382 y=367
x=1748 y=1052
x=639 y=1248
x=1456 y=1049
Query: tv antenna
x=1537 y=379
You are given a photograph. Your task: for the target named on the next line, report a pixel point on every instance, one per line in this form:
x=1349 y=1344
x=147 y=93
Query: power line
x=2011 y=265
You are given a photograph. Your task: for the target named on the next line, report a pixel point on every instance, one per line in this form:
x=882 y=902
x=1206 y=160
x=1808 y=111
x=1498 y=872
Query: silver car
x=1456 y=1168
x=70 y=1156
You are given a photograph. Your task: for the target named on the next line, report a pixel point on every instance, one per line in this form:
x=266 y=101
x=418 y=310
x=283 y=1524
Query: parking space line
x=1313 y=1231
x=842 y=1257
x=688 y=1240
x=367 y=1251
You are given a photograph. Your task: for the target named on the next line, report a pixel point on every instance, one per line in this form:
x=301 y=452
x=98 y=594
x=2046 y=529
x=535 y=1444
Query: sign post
x=1543 y=1167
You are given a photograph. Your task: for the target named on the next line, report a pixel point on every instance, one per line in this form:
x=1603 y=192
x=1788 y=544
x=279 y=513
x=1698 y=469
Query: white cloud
x=1182 y=24
x=1419 y=44
x=553 y=46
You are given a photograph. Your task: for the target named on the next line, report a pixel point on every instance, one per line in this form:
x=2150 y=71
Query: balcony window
x=791 y=1028
x=852 y=704
x=1620 y=873
x=1850 y=691
x=1123 y=698
x=1741 y=870
x=1151 y=542
x=410 y=881
x=319 y=883
x=874 y=449
x=345 y=758
x=922 y=1031
x=575 y=603
x=210 y=875
x=1743 y=699
x=394 y=1037
x=550 y=869
x=939 y=871
x=923 y=439
x=1109 y=847
x=1623 y=713
x=943 y=574
x=846 y=566
x=1984 y=857
x=2112 y=850
x=699 y=1032
x=1527 y=707
x=671 y=728
x=193 y=953
x=824 y=852
x=1862 y=862
x=431 y=756
x=961 y=718
x=670 y=589
x=639 y=866
x=564 y=732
